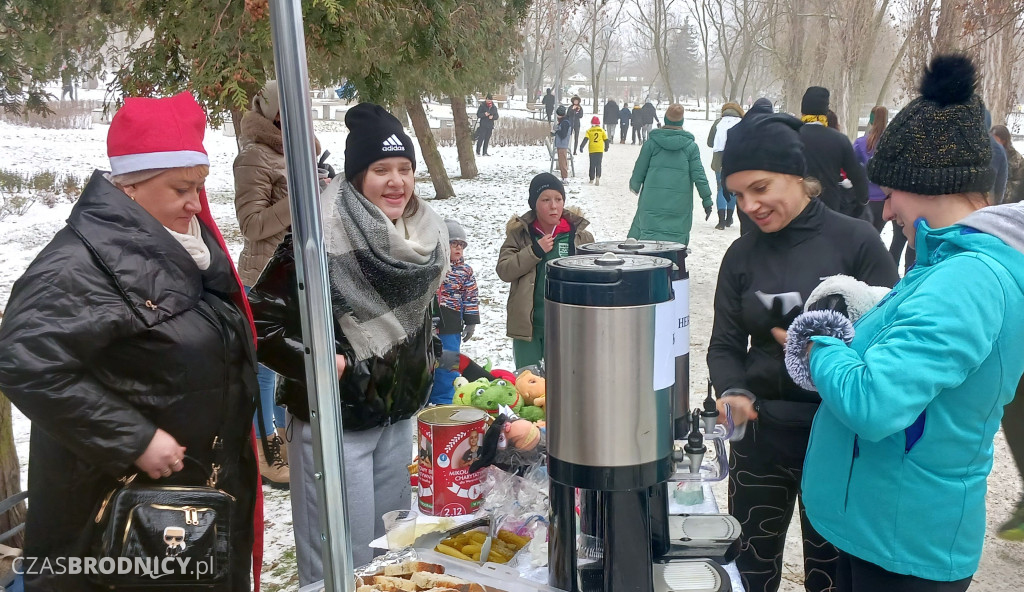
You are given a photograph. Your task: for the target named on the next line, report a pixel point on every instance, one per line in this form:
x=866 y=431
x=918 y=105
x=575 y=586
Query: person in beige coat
x=548 y=231
x=261 y=205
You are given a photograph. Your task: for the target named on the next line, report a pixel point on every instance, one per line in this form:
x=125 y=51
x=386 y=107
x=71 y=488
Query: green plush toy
x=499 y=392
x=531 y=413
x=465 y=390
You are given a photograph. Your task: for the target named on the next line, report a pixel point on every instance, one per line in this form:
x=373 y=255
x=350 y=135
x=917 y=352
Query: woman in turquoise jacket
x=912 y=394
x=664 y=175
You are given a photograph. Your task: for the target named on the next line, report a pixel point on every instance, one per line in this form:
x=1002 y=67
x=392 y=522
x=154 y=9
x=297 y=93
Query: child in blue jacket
x=458 y=304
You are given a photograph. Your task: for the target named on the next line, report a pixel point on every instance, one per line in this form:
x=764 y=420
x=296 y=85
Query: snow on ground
x=484 y=205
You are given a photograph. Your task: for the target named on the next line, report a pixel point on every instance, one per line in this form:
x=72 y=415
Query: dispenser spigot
x=694 y=448
x=710 y=414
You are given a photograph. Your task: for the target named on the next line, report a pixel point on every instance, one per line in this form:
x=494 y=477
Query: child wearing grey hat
x=458 y=308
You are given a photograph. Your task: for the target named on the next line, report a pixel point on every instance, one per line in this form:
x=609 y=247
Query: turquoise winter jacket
x=901 y=446
x=664 y=175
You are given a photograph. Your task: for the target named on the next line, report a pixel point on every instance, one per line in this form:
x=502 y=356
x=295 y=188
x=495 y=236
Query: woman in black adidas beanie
x=902 y=444
x=387 y=251
x=765 y=277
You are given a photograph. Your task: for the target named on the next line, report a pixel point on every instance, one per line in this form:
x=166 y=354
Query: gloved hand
x=707 y=213
x=467 y=332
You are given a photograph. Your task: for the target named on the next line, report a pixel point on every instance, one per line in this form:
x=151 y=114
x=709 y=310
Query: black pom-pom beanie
x=769 y=142
x=938 y=144
x=374 y=134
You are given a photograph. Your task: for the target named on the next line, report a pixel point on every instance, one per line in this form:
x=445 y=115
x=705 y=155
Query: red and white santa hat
x=157 y=134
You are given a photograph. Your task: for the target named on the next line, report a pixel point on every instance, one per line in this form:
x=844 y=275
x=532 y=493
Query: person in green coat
x=664 y=175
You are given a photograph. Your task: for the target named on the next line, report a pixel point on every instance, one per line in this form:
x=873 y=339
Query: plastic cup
x=400 y=528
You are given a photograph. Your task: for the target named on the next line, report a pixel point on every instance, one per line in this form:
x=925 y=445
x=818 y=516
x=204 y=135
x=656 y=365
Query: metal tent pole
x=314 y=296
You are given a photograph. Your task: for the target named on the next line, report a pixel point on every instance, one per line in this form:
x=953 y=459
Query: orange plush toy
x=532 y=388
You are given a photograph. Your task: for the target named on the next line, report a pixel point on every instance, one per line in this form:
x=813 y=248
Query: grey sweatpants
x=376 y=482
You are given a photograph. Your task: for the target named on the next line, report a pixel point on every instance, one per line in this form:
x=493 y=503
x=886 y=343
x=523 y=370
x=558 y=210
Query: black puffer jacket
x=111 y=333
x=374 y=392
x=611 y=113
x=761 y=278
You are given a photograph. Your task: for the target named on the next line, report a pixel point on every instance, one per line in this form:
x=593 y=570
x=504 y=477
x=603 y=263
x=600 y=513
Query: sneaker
x=597 y=181
x=591 y=182
x=1013 y=529
x=273 y=469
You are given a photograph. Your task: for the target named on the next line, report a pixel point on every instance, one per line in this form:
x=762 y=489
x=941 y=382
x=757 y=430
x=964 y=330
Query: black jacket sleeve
x=273 y=302
x=59 y=317
x=711 y=134
x=564 y=128
x=728 y=347
x=856 y=174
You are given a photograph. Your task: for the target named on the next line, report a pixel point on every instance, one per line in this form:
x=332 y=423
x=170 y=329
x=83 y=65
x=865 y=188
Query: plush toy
x=522 y=434
x=499 y=392
x=504 y=375
x=465 y=390
x=532 y=388
x=531 y=413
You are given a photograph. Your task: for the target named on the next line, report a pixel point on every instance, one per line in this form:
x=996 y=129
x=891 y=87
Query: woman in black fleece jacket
x=763 y=282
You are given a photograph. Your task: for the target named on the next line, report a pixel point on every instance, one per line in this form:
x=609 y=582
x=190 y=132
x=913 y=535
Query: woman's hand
x=162 y=457
x=339 y=363
x=741 y=407
x=547 y=242
x=780 y=335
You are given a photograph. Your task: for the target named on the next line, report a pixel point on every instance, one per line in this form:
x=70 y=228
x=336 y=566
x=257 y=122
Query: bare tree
x=656 y=21
x=700 y=10
x=539 y=32
x=739 y=27
x=603 y=17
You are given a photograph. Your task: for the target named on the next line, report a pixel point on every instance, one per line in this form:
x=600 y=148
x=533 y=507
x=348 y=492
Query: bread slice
x=395 y=584
x=410 y=567
x=431 y=580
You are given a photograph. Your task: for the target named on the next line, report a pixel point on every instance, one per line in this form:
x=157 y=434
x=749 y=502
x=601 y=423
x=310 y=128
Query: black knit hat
x=373 y=134
x=768 y=142
x=815 y=101
x=761 y=106
x=541 y=183
x=938 y=143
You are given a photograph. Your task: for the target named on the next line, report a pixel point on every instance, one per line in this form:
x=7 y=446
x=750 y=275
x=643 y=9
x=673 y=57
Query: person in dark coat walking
x=549 y=103
x=486 y=114
x=128 y=343
x=828 y=152
x=624 y=116
x=650 y=116
x=576 y=116
x=379 y=236
x=764 y=279
x=611 y=119
x=636 y=119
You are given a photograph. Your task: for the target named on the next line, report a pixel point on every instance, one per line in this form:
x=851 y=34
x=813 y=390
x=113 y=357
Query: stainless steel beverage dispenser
x=676 y=253
x=609 y=407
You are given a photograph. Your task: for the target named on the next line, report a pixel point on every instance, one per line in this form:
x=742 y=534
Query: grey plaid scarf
x=383 y=275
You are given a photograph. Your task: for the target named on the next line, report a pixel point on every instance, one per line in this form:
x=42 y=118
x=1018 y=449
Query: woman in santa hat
x=128 y=344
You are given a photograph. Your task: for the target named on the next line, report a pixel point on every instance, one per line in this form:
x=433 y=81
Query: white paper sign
x=664 y=360
x=681 y=335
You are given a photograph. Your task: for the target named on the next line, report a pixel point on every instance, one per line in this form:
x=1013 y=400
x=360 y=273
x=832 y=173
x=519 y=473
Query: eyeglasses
x=173 y=538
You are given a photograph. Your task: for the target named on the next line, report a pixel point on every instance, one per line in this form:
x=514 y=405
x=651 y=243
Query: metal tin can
x=450 y=437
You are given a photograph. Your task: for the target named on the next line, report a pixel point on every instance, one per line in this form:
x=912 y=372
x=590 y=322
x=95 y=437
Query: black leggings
x=595 y=164
x=857 y=575
x=623 y=132
x=763 y=492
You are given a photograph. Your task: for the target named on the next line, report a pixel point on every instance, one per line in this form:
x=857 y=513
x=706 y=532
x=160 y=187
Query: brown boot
x=273 y=469
x=282 y=438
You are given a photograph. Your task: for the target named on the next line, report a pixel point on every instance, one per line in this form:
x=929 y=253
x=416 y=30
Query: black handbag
x=151 y=536
x=167 y=536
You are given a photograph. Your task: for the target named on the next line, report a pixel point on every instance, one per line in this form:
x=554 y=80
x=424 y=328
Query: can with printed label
x=450 y=437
